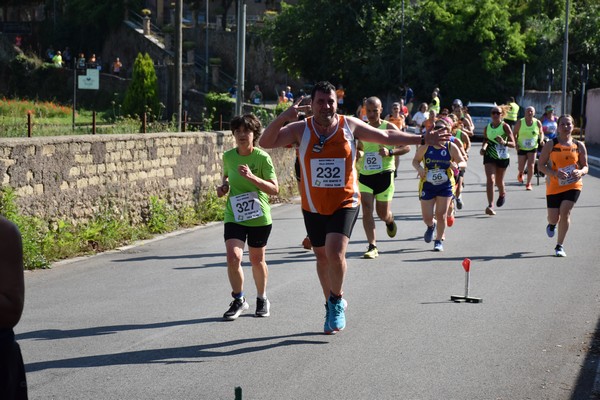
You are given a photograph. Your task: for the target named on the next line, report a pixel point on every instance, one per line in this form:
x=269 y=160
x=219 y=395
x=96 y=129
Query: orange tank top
x=399 y=122
x=565 y=158
x=329 y=177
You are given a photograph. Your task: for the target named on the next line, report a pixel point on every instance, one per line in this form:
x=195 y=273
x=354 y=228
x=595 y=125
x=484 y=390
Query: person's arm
x=510 y=141
x=484 y=143
x=471 y=128
x=461 y=146
x=269 y=186
x=224 y=188
x=278 y=134
x=467 y=142
x=12 y=282
x=393 y=137
x=582 y=163
x=397 y=150
x=416 y=162
x=541 y=136
x=544 y=158
x=517 y=129
x=457 y=156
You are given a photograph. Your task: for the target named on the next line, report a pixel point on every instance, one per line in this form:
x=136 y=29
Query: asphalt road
x=144 y=322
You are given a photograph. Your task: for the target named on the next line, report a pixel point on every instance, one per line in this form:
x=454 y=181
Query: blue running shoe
x=326 y=327
x=560 y=251
x=550 y=230
x=438 y=246
x=429 y=233
x=335 y=317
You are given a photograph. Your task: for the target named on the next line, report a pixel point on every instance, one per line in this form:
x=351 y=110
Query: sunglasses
x=495 y=112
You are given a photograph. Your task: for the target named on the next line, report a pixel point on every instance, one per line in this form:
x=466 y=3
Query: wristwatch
x=422 y=139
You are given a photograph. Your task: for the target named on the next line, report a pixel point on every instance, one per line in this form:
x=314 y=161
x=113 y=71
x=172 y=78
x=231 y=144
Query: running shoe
x=429 y=233
x=391 y=229
x=371 y=252
x=236 y=308
x=326 y=327
x=520 y=177
x=560 y=251
x=490 y=211
x=306 y=243
x=529 y=186
x=459 y=203
x=263 y=307
x=335 y=317
x=550 y=230
x=501 y=200
x=437 y=246
x=450 y=220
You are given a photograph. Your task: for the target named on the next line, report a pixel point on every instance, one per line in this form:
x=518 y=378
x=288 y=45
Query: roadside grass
x=52 y=119
x=45 y=241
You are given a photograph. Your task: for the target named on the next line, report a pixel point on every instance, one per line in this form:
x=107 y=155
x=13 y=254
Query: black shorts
x=525 y=152
x=318 y=225
x=379 y=183
x=257 y=235
x=554 y=200
x=499 y=163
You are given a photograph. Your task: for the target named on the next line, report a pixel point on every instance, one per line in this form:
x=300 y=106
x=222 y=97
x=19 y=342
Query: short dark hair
x=247 y=121
x=324 y=87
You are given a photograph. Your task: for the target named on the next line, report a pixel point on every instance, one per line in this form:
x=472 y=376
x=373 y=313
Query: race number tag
x=328 y=172
x=570 y=179
x=437 y=176
x=246 y=206
x=373 y=161
x=502 y=151
x=529 y=143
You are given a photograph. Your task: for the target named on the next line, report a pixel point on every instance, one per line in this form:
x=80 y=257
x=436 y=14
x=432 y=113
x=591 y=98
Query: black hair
x=247 y=121
x=324 y=87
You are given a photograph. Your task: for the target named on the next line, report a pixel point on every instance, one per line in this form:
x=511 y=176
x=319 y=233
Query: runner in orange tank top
x=330 y=200
x=564 y=161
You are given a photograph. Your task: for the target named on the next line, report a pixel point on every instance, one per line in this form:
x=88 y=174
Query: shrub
x=142 y=94
x=219 y=104
x=161 y=216
x=33 y=231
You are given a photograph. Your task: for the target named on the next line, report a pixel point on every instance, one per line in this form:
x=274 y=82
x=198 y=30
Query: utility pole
x=206 y=51
x=402 y=47
x=178 y=89
x=241 y=55
x=565 y=62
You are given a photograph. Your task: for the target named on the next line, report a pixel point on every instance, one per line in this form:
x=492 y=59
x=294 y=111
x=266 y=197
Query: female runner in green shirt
x=248 y=179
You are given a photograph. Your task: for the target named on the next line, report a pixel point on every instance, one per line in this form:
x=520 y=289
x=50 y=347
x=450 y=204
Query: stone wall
x=75 y=177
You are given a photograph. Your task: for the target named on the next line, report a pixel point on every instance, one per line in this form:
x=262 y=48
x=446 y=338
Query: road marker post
x=466 y=298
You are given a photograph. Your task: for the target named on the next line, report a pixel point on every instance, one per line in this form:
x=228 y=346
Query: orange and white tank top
x=329 y=179
x=564 y=158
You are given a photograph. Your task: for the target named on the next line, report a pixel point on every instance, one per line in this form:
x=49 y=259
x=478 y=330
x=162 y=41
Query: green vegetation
x=53 y=119
x=472 y=50
x=46 y=241
x=142 y=94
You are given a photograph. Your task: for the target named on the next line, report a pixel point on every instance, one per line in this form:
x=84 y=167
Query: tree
x=142 y=94
x=473 y=50
x=339 y=42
